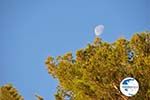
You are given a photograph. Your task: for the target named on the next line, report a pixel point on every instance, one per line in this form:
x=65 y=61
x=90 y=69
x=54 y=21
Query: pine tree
x=8 y=92
x=97 y=70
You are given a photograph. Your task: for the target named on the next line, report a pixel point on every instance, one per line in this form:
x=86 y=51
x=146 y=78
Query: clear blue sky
x=31 y=30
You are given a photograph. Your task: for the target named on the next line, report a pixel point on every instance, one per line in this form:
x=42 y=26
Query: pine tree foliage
x=8 y=92
x=97 y=70
x=39 y=97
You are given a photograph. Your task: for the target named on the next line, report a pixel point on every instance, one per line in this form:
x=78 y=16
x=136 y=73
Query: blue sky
x=31 y=30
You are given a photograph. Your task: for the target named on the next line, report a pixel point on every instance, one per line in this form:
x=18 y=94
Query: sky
x=32 y=30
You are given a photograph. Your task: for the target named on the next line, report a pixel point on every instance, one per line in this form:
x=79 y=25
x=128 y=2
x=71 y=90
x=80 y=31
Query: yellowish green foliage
x=8 y=92
x=97 y=70
x=39 y=97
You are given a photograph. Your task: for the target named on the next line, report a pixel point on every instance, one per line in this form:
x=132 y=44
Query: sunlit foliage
x=97 y=70
x=8 y=92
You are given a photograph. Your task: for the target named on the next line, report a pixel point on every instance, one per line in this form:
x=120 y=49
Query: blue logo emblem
x=129 y=86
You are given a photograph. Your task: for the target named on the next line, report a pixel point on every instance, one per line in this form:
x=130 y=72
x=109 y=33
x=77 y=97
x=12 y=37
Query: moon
x=99 y=29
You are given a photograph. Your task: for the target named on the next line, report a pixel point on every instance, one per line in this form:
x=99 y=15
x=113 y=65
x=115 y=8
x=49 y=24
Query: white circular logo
x=129 y=86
